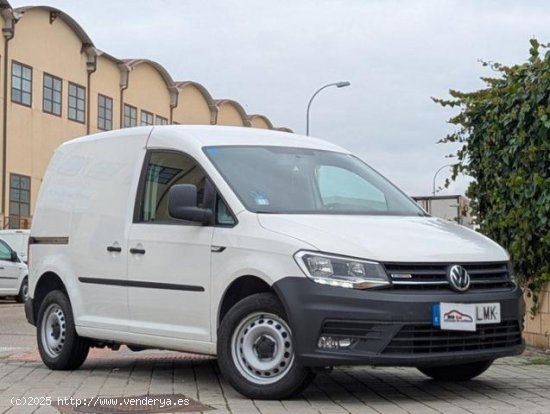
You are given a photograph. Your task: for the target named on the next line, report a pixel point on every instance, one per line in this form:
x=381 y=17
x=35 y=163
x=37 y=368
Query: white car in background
x=13 y=273
x=18 y=241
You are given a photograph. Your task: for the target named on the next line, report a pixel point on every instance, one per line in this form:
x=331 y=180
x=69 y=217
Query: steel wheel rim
x=262 y=348
x=25 y=290
x=53 y=330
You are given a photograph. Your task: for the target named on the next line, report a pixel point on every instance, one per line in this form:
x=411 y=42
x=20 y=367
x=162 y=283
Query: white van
x=13 y=274
x=281 y=254
x=18 y=241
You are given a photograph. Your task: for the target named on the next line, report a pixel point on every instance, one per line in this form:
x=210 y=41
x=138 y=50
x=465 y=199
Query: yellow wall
x=537 y=328
x=259 y=122
x=33 y=134
x=147 y=91
x=192 y=107
x=106 y=81
x=229 y=115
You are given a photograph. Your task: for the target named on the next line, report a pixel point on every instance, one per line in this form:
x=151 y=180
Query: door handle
x=1 y=267
x=114 y=249
x=137 y=251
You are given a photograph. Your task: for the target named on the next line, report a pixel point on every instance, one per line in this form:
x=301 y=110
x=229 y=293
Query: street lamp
x=435 y=175
x=337 y=84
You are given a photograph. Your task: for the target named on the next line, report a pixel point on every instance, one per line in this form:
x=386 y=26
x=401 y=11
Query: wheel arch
x=238 y=289
x=46 y=283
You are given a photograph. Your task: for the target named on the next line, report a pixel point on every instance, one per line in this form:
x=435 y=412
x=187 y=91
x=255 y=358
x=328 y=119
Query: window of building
x=164 y=170
x=159 y=120
x=146 y=118
x=104 y=112
x=130 y=116
x=20 y=199
x=77 y=102
x=21 y=84
x=51 y=99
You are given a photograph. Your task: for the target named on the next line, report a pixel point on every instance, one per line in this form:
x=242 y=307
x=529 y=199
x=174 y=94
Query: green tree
x=503 y=132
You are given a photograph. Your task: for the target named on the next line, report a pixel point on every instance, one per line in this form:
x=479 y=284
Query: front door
x=169 y=260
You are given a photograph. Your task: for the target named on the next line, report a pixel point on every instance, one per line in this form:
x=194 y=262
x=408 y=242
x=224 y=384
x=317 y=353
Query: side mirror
x=182 y=204
x=14 y=256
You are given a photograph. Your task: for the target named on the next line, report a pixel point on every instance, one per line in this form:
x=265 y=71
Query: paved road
x=15 y=333
x=512 y=385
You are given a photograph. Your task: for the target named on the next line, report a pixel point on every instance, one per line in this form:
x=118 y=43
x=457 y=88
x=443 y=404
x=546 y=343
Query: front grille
x=426 y=339
x=434 y=276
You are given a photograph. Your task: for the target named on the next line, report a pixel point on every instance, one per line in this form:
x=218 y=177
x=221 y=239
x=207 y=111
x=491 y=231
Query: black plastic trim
x=309 y=305
x=29 y=311
x=48 y=240
x=140 y=284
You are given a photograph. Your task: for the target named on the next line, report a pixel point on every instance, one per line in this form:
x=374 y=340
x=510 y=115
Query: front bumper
x=395 y=327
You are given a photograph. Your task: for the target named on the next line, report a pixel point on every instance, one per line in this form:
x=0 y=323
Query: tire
x=23 y=291
x=255 y=350
x=462 y=372
x=58 y=343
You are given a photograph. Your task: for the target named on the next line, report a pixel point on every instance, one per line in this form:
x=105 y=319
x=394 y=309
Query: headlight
x=341 y=271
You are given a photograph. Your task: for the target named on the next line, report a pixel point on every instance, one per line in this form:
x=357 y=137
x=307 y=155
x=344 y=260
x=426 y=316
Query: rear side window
x=164 y=170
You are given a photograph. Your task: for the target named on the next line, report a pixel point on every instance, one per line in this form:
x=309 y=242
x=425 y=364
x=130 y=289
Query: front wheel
x=461 y=372
x=58 y=343
x=256 y=350
x=23 y=291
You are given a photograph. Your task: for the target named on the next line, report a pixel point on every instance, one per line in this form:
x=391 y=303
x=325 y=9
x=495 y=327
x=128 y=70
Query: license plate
x=464 y=316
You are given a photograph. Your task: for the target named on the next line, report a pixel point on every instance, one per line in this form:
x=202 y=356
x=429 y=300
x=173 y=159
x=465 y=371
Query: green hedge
x=504 y=132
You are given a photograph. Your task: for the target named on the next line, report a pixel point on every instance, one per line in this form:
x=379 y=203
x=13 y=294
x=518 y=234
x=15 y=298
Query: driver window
x=338 y=186
x=164 y=170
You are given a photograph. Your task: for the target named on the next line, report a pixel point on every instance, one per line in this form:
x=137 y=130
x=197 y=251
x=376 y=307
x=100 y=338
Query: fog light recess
x=331 y=342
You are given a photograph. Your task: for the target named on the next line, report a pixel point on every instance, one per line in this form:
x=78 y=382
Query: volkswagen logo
x=458 y=278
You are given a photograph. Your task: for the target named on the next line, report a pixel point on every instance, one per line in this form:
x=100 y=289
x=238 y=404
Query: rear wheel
x=58 y=343
x=461 y=372
x=256 y=350
x=23 y=291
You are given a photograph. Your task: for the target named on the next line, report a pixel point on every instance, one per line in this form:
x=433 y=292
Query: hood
x=387 y=238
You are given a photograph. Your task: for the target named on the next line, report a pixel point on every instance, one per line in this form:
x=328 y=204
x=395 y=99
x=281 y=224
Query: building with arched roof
x=195 y=104
x=105 y=102
x=231 y=113
x=57 y=85
x=46 y=97
x=156 y=101
x=260 y=121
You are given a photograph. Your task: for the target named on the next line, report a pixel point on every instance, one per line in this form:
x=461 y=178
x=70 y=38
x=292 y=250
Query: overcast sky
x=271 y=55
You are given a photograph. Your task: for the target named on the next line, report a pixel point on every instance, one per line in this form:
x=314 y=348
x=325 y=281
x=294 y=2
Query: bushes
x=504 y=130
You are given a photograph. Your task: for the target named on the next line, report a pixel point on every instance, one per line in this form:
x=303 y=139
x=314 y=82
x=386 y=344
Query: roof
x=252 y=117
x=229 y=135
x=238 y=107
x=184 y=84
x=215 y=135
x=72 y=23
x=132 y=63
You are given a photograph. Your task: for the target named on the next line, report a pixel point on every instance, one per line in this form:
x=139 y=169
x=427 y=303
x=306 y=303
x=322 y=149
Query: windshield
x=284 y=180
